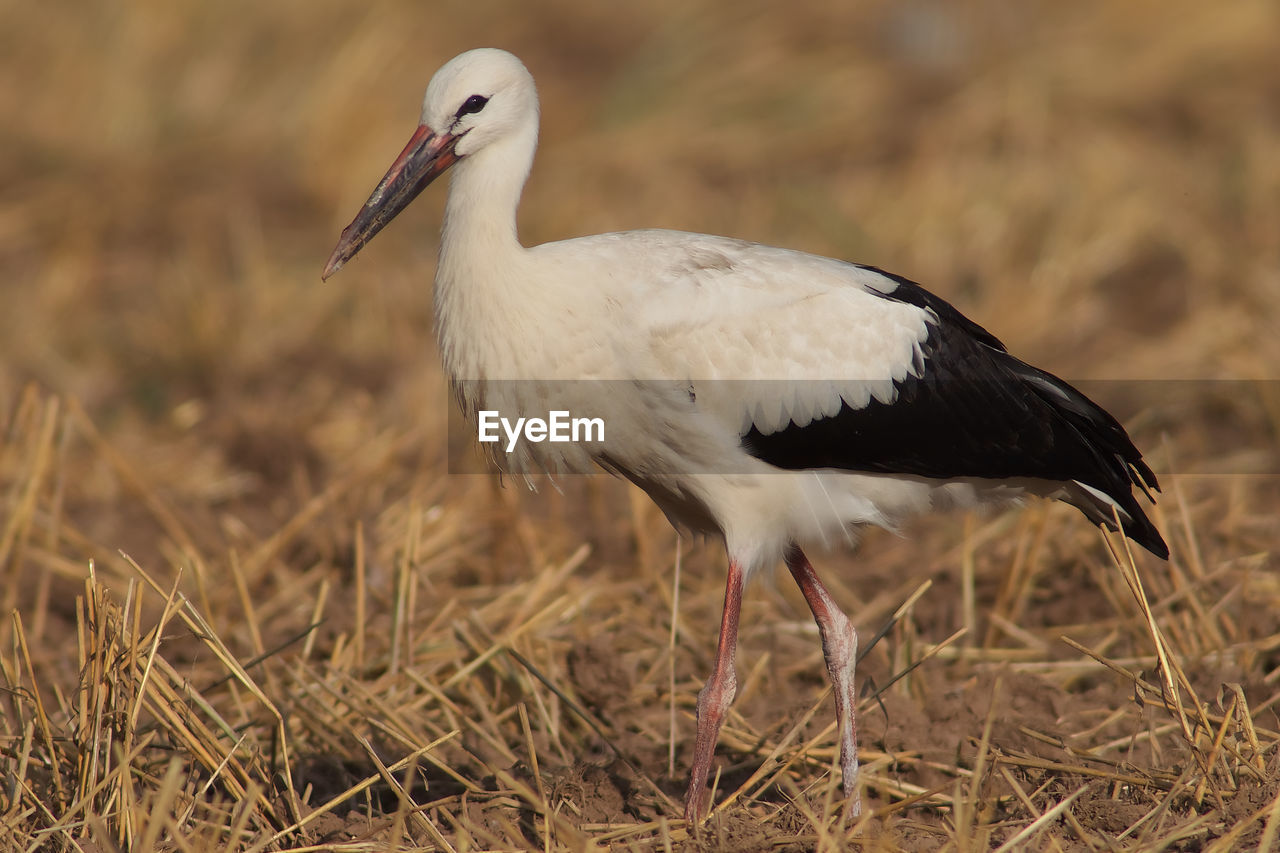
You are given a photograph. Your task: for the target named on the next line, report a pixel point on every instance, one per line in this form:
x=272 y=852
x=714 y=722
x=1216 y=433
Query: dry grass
x=245 y=608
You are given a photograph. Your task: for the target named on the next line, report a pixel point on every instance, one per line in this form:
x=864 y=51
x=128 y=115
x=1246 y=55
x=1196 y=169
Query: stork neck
x=482 y=286
x=480 y=214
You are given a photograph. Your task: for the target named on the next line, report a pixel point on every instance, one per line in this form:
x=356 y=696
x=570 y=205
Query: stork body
x=771 y=398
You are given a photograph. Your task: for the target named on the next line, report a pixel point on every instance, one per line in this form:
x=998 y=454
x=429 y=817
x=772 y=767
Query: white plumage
x=771 y=397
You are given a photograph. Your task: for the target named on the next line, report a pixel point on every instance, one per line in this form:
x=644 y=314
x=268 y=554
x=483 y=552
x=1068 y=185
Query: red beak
x=424 y=159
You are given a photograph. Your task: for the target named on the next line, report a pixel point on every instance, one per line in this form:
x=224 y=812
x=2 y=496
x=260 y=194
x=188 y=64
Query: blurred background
x=1098 y=183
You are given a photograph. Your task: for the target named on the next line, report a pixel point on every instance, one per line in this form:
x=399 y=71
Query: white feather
x=679 y=342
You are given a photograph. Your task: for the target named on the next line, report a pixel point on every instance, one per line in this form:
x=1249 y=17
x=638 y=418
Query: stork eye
x=474 y=104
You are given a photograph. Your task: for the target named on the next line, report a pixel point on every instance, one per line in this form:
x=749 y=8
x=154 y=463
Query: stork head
x=480 y=95
x=474 y=100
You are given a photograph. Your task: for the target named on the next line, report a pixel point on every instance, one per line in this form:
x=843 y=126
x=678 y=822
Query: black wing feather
x=975 y=411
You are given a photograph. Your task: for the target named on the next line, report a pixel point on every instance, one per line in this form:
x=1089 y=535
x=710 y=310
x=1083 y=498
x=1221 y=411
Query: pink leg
x=717 y=695
x=840 y=648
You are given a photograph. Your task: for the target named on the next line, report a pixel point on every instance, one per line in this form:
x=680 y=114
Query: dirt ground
x=248 y=607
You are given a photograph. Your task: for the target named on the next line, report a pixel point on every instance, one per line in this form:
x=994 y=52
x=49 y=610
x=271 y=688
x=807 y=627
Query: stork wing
x=820 y=364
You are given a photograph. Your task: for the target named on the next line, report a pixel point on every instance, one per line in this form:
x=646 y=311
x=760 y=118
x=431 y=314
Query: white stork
x=772 y=398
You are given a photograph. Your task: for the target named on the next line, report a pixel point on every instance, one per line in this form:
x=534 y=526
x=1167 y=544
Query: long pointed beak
x=424 y=159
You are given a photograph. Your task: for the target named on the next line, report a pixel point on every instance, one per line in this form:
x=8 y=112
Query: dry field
x=245 y=607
